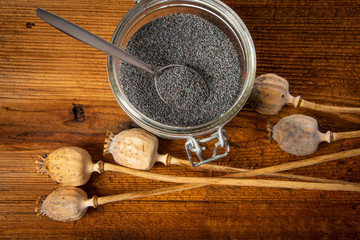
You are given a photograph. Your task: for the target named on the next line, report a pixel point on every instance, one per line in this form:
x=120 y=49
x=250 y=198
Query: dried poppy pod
x=271 y=92
x=69 y=166
x=65 y=204
x=134 y=148
x=299 y=134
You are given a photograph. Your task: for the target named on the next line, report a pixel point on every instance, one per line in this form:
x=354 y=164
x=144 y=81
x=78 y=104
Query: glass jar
x=220 y=15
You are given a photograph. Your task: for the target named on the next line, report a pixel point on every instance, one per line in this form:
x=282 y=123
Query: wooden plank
x=45 y=75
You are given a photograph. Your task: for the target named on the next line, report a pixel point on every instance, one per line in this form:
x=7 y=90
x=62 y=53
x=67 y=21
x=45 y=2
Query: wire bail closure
x=194 y=145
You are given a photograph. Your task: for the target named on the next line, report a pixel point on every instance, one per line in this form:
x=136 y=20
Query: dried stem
x=203 y=181
x=326 y=108
x=256 y=183
x=147 y=193
x=301 y=163
x=344 y=135
x=218 y=168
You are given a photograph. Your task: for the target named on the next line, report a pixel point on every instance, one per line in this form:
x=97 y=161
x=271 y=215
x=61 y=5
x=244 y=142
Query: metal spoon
x=193 y=89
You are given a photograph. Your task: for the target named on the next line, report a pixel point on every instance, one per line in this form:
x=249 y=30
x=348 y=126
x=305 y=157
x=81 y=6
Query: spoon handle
x=89 y=38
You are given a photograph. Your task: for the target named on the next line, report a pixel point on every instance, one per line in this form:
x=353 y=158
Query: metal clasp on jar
x=194 y=145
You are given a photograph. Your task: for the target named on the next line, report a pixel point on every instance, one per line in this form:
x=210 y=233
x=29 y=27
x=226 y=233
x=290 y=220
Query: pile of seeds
x=188 y=40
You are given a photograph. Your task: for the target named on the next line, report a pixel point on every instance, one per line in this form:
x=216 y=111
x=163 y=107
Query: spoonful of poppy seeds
x=177 y=85
x=180 y=87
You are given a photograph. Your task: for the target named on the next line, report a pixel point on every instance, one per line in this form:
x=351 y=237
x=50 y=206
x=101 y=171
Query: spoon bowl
x=181 y=86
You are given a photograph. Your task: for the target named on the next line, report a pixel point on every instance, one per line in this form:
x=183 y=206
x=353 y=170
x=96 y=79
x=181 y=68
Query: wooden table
x=47 y=79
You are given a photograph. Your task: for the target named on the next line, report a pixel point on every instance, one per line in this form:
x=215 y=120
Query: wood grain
x=44 y=74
